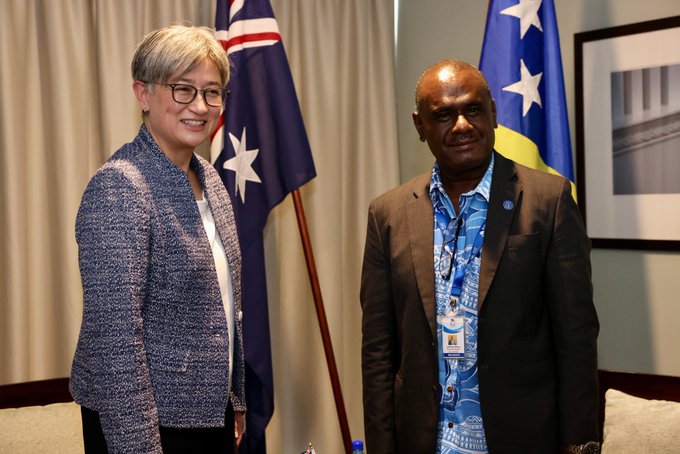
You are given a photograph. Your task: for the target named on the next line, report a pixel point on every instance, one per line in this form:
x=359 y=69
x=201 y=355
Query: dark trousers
x=173 y=440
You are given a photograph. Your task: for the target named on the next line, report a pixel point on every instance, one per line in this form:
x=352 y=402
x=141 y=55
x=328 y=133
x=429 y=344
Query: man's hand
x=239 y=426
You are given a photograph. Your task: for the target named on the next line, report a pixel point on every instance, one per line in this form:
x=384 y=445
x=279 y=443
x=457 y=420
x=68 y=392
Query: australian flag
x=262 y=153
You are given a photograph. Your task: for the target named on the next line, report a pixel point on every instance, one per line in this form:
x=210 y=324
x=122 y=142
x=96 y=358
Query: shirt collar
x=483 y=188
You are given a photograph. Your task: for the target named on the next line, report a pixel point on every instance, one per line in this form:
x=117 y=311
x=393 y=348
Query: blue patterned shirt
x=460 y=420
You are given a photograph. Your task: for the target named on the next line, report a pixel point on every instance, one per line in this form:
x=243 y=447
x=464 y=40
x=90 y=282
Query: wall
x=636 y=293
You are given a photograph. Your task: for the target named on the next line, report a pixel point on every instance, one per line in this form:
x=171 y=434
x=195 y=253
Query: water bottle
x=357 y=447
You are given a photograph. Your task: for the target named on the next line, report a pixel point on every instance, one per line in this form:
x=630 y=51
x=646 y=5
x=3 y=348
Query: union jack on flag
x=261 y=151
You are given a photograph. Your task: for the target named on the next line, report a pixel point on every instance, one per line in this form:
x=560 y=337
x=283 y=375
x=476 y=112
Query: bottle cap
x=357 y=445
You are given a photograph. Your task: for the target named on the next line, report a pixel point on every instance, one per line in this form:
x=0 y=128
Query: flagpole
x=323 y=323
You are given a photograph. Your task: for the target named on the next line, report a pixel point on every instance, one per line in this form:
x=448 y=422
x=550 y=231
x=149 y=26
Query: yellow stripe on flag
x=519 y=148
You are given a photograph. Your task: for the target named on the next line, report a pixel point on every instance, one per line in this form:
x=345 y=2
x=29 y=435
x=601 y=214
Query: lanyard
x=459 y=274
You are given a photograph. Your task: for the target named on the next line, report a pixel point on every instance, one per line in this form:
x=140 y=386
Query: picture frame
x=627 y=88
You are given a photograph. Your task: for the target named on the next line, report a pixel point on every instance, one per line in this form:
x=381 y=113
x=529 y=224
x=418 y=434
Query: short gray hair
x=177 y=49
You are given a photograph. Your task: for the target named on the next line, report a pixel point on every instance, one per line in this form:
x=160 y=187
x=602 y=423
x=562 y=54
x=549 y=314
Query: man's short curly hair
x=453 y=64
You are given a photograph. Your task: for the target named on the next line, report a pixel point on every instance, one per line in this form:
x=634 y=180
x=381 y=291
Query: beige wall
x=637 y=294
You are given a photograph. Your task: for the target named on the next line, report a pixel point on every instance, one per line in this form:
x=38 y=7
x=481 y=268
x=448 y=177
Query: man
x=496 y=255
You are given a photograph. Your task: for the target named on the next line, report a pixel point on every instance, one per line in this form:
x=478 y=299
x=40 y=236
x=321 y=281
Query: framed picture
x=628 y=134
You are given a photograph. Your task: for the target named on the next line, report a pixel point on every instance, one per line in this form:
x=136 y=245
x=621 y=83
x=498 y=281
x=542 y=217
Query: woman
x=159 y=362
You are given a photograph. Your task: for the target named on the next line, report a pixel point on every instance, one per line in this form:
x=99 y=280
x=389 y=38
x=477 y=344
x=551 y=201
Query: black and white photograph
x=646 y=130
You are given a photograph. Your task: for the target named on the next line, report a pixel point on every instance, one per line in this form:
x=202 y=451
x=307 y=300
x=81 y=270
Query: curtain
x=67 y=104
x=341 y=56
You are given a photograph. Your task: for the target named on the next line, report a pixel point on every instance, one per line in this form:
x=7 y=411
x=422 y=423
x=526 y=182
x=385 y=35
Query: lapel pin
x=508 y=205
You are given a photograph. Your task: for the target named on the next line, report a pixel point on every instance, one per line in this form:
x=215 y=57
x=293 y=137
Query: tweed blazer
x=537 y=358
x=153 y=347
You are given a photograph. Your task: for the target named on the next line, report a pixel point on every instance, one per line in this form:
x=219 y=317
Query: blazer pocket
x=524 y=240
x=520 y=261
x=537 y=371
x=531 y=358
x=162 y=357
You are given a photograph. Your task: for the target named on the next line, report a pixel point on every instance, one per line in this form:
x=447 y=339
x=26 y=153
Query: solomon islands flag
x=522 y=63
x=262 y=153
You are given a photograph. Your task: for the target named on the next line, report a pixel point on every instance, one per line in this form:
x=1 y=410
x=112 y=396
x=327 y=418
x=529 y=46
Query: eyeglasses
x=448 y=252
x=185 y=94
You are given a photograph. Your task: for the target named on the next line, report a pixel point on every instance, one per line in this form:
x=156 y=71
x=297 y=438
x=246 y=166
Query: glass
x=448 y=252
x=185 y=94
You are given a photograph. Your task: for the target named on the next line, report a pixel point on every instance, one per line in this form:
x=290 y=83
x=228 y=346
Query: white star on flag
x=527 y=13
x=241 y=164
x=527 y=86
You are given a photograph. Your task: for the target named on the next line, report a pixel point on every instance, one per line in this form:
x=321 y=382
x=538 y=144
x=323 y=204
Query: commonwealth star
x=241 y=164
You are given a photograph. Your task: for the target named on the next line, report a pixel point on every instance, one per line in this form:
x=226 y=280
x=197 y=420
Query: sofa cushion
x=41 y=428
x=635 y=425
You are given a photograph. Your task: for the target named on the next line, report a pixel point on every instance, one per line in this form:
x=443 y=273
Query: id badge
x=453 y=337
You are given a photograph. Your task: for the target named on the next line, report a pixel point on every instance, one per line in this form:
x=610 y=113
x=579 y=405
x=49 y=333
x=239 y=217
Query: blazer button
x=450 y=425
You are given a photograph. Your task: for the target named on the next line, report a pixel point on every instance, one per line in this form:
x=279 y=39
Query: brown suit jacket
x=537 y=354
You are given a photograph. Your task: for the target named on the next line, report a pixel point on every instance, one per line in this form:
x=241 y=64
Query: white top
x=223 y=276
